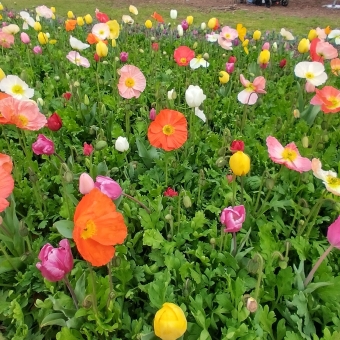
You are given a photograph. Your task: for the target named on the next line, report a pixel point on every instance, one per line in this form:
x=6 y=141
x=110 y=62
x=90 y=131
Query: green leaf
x=149 y=336
x=153 y=238
x=266 y=319
x=10 y=263
x=54 y=319
x=65 y=228
x=148 y=155
x=69 y=334
x=310 y=113
x=79 y=289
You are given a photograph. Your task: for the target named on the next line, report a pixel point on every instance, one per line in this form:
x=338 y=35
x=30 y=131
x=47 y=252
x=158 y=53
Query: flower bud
x=68 y=177
x=251 y=305
x=296 y=113
x=100 y=145
x=221 y=162
x=206 y=56
x=305 y=142
x=187 y=201
x=86 y=100
x=23 y=231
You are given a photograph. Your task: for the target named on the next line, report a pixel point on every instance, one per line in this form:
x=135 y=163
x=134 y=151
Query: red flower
x=232 y=59
x=155 y=46
x=102 y=17
x=237 y=145
x=54 y=123
x=283 y=63
x=96 y=57
x=170 y=192
x=183 y=55
x=87 y=149
x=67 y=95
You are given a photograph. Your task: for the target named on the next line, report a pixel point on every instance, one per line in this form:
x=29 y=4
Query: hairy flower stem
x=94 y=294
x=259 y=276
x=316 y=266
x=260 y=191
x=242 y=189
x=234 y=192
x=137 y=201
x=244 y=117
x=234 y=244
x=68 y=285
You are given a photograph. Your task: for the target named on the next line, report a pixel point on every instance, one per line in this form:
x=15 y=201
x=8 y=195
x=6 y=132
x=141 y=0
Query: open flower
x=16 y=87
x=77 y=44
x=114 y=29
x=321 y=50
x=131 y=82
x=329 y=99
x=168 y=131
x=70 y=25
x=198 y=62
x=226 y=37
x=232 y=218
x=133 y=10
x=335 y=66
x=286 y=35
x=183 y=55
x=101 y=31
x=288 y=156
x=43 y=12
x=11 y=29
x=97 y=228
x=6 y=40
x=6 y=163
x=75 y=58
x=157 y=17
x=241 y=31
x=335 y=34
x=313 y=71
x=249 y=94
x=127 y=19
x=329 y=178
x=212 y=37
x=27 y=19
x=6 y=182
x=101 y=17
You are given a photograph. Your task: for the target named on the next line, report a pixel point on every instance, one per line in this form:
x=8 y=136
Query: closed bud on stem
x=305 y=142
x=213 y=242
x=68 y=176
x=222 y=151
x=88 y=301
x=114 y=170
x=86 y=100
x=221 y=162
x=116 y=261
x=103 y=109
x=296 y=113
x=100 y=145
x=187 y=201
x=251 y=305
x=206 y=56
x=270 y=183
x=169 y=217
x=88 y=163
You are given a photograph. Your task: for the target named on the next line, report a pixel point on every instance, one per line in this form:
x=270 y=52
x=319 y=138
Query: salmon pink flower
x=87 y=149
x=329 y=178
x=183 y=55
x=321 y=50
x=6 y=40
x=335 y=66
x=170 y=192
x=6 y=163
x=226 y=38
x=75 y=58
x=232 y=218
x=43 y=146
x=329 y=99
x=288 y=156
x=321 y=34
x=6 y=181
x=314 y=72
x=131 y=82
x=101 y=17
x=249 y=94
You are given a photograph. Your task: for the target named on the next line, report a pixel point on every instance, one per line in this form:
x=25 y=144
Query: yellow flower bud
x=37 y=26
x=2 y=74
x=114 y=43
x=80 y=21
x=190 y=19
x=70 y=15
x=148 y=23
x=88 y=19
x=212 y=23
x=239 y=163
x=224 y=77
x=304 y=45
x=194 y=46
x=53 y=41
x=170 y=322
x=101 y=49
x=53 y=9
x=42 y=37
x=53 y=16
x=257 y=35
x=264 y=57
x=1 y=7
x=312 y=35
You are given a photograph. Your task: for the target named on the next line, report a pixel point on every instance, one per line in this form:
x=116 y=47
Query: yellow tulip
x=53 y=16
x=37 y=26
x=245 y=46
x=264 y=57
x=242 y=31
x=70 y=15
x=2 y=74
x=312 y=35
x=170 y=322
x=101 y=49
x=212 y=23
x=53 y=9
x=80 y=21
x=224 y=77
x=53 y=41
x=42 y=37
x=133 y=10
x=114 y=29
x=88 y=19
x=304 y=45
x=190 y=19
x=148 y=23
x=239 y=163
x=257 y=35
x=1 y=7
x=114 y=43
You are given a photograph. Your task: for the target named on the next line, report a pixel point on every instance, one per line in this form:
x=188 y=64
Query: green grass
x=266 y=20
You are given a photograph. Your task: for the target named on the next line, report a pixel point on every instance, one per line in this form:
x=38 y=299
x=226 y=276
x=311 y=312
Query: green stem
x=259 y=276
x=8 y=258
x=260 y=191
x=234 y=192
x=242 y=189
x=74 y=298
x=234 y=244
x=137 y=201
x=94 y=294
x=222 y=238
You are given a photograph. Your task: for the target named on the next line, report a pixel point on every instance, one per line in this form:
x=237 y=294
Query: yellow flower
x=257 y=35
x=133 y=10
x=37 y=26
x=242 y=31
x=88 y=19
x=304 y=45
x=224 y=77
x=80 y=21
x=101 y=49
x=1 y=7
x=114 y=29
x=53 y=41
x=114 y=43
x=70 y=15
x=212 y=23
x=239 y=163
x=53 y=9
x=328 y=30
x=312 y=35
x=190 y=19
x=264 y=57
x=2 y=74
x=245 y=46
x=53 y=16
x=170 y=322
x=42 y=37
x=148 y=23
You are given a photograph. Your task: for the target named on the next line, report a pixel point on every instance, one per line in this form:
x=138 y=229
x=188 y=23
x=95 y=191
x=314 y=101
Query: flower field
x=167 y=179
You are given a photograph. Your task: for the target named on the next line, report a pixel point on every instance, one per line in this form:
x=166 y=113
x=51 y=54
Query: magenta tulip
x=86 y=183
x=185 y=25
x=43 y=146
x=229 y=67
x=108 y=187
x=55 y=263
x=124 y=57
x=333 y=233
x=232 y=218
x=152 y=114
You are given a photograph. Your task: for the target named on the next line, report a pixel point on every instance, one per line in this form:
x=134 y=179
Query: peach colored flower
x=131 y=82
x=249 y=94
x=329 y=99
x=6 y=181
x=321 y=50
x=6 y=40
x=335 y=66
x=6 y=163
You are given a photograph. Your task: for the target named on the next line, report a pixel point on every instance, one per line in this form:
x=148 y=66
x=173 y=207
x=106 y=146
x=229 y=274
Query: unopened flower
x=232 y=218
x=173 y=14
x=87 y=149
x=122 y=144
x=194 y=96
x=86 y=183
x=170 y=192
x=239 y=163
x=54 y=122
x=43 y=146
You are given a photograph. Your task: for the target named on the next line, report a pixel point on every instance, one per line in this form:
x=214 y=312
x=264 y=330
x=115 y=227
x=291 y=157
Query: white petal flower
x=173 y=14
x=194 y=96
x=101 y=31
x=213 y=37
x=127 y=19
x=200 y=114
x=314 y=72
x=77 y=44
x=16 y=87
x=203 y=26
x=287 y=35
x=198 y=62
x=172 y=94
x=180 y=30
x=28 y=20
x=122 y=144
x=335 y=34
x=330 y=178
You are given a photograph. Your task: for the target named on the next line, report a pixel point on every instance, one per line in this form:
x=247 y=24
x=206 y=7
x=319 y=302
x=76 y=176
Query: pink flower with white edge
x=333 y=233
x=232 y=218
x=249 y=94
x=288 y=156
x=75 y=58
x=329 y=178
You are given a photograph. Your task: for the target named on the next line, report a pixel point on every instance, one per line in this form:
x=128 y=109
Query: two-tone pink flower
x=249 y=94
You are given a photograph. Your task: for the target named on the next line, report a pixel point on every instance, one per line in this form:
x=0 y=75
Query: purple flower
x=108 y=187
x=124 y=57
x=185 y=25
x=232 y=218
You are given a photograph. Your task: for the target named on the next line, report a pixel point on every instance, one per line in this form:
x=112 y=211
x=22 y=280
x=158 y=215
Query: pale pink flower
x=37 y=50
x=288 y=156
x=321 y=33
x=75 y=58
x=266 y=46
x=6 y=40
x=329 y=178
x=227 y=35
x=309 y=87
x=249 y=94
x=86 y=183
x=101 y=31
x=25 y=38
x=131 y=82
x=44 y=12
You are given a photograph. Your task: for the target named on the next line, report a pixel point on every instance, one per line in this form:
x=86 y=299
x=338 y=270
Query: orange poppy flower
x=97 y=228
x=168 y=131
x=70 y=25
x=92 y=39
x=157 y=17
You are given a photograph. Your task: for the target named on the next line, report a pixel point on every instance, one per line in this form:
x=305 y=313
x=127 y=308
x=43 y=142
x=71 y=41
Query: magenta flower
x=37 y=50
x=86 y=183
x=185 y=25
x=25 y=38
x=152 y=114
x=75 y=58
x=109 y=187
x=232 y=218
x=55 y=263
x=229 y=67
x=43 y=146
x=124 y=57
x=288 y=156
x=333 y=233
x=249 y=94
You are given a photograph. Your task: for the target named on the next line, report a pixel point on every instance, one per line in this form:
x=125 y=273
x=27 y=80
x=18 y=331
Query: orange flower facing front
x=97 y=228
x=168 y=131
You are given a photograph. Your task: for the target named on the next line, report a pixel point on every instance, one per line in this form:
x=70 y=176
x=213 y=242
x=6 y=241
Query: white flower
x=194 y=96
x=197 y=62
x=173 y=14
x=203 y=26
x=200 y=114
x=11 y=29
x=77 y=44
x=172 y=94
x=313 y=71
x=287 y=35
x=28 y=20
x=127 y=19
x=330 y=178
x=16 y=87
x=213 y=37
x=335 y=34
x=321 y=33
x=274 y=46
x=133 y=10
x=40 y=101
x=180 y=30
x=101 y=31
x=122 y=144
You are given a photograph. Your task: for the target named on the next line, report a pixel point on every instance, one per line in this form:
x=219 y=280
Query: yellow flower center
x=199 y=57
x=101 y=32
x=77 y=60
x=168 y=130
x=289 y=155
x=129 y=82
x=227 y=36
x=333 y=182
x=17 y=89
x=23 y=120
x=309 y=75
x=183 y=60
x=89 y=230
x=250 y=88
x=335 y=102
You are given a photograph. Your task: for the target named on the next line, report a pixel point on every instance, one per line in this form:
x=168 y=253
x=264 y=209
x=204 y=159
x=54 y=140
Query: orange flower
x=328 y=30
x=3 y=120
x=335 y=66
x=6 y=163
x=97 y=228
x=6 y=180
x=157 y=17
x=70 y=25
x=92 y=39
x=168 y=131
